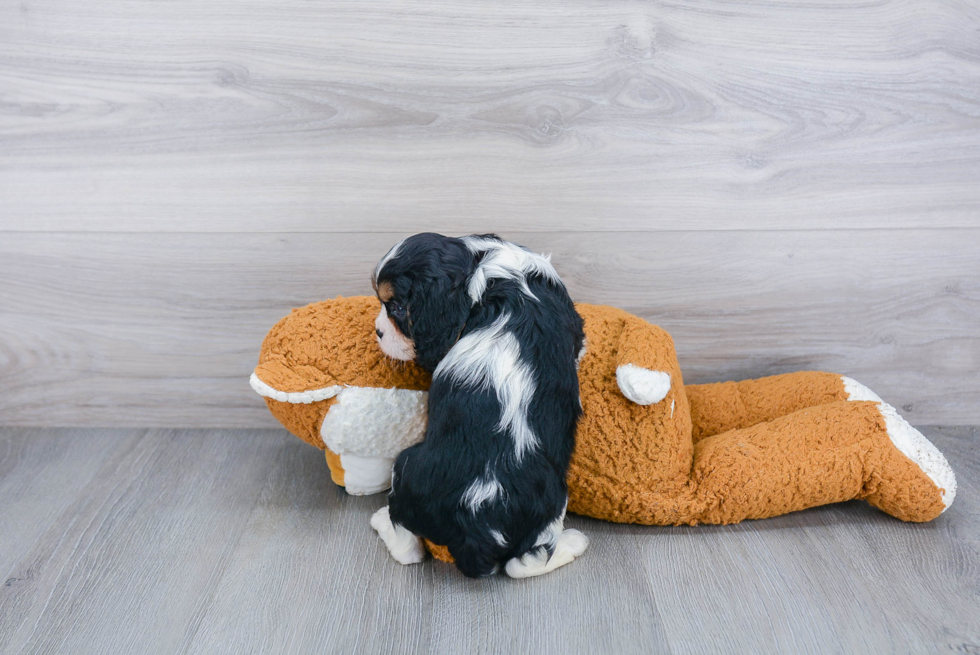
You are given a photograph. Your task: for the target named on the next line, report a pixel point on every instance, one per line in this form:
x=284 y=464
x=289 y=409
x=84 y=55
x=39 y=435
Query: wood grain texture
x=782 y=186
x=305 y=578
x=164 y=329
x=130 y=564
x=32 y=464
x=236 y=541
x=233 y=116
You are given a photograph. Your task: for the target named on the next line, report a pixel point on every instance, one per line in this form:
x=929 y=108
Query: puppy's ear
x=439 y=312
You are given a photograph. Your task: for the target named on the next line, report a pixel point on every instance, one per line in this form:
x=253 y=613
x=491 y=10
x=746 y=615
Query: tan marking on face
x=385 y=291
x=393 y=343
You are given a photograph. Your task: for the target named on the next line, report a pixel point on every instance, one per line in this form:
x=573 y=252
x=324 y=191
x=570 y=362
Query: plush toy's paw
x=642 y=386
x=404 y=546
x=571 y=544
x=857 y=392
x=914 y=445
x=364 y=476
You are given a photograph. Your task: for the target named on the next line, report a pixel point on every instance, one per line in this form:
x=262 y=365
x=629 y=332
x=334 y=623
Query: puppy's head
x=421 y=284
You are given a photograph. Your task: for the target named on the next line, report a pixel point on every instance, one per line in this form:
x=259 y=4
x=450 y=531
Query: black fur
x=462 y=443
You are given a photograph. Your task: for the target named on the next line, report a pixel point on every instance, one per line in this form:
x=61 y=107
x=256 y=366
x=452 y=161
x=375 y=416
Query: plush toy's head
x=325 y=378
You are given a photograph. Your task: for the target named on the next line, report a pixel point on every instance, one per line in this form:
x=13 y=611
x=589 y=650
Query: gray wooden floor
x=125 y=541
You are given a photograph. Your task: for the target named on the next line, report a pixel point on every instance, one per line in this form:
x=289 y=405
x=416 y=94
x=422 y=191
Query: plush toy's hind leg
x=818 y=455
x=724 y=406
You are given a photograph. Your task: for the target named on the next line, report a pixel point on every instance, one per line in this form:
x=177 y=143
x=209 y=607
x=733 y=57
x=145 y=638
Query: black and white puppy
x=494 y=324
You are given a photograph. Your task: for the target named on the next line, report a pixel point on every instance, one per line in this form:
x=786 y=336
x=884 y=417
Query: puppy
x=494 y=324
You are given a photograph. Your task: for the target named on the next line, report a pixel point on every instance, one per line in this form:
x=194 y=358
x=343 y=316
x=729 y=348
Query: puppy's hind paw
x=404 y=546
x=570 y=544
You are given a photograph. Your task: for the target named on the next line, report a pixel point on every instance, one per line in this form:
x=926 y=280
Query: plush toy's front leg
x=364 y=431
x=359 y=475
x=826 y=454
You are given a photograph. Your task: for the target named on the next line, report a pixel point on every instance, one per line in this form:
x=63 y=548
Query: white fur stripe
x=393 y=343
x=490 y=358
x=499 y=538
x=387 y=258
x=296 y=397
x=506 y=260
x=480 y=492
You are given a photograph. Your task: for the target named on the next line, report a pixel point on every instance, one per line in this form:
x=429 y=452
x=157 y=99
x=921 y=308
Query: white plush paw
x=857 y=391
x=920 y=450
x=912 y=443
x=641 y=385
x=404 y=546
x=364 y=476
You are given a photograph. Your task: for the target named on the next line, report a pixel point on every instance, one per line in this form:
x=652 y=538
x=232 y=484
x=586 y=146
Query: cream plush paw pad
x=642 y=386
x=920 y=450
x=909 y=441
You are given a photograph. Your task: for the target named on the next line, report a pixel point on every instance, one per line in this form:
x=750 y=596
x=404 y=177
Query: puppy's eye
x=395 y=309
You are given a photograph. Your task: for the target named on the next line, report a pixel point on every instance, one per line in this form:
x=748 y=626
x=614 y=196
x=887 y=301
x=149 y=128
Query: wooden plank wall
x=781 y=186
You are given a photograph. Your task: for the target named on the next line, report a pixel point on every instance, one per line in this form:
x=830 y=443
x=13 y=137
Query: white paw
x=570 y=544
x=641 y=385
x=857 y=391
x=364 y=476
x=912 y=443
x=920 y=450
x=404 y=546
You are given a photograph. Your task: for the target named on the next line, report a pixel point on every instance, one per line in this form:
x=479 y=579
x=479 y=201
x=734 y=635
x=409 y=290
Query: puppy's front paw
x=404 y=546
x=641 y=385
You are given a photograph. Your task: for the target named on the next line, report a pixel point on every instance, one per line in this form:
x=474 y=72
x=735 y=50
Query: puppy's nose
x=379 y=333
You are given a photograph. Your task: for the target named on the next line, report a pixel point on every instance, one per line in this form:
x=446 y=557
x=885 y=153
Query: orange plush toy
x=648 y=449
